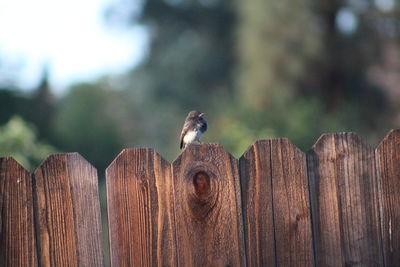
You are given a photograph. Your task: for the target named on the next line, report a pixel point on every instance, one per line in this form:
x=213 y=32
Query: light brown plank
x=17 y=231
x=292 y=214
x=276 y=205
x=140 y=209
x=388 y=158
x=345 y=202
x=209 y=226
x=258 y=213
x=68 y=211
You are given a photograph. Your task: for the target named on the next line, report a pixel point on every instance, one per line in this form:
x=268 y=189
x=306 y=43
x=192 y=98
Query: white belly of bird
x=192 y=136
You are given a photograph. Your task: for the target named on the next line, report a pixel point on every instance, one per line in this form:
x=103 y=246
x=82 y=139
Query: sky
x=71 y=37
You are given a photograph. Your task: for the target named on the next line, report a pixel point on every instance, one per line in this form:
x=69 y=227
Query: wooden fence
x=337 y=205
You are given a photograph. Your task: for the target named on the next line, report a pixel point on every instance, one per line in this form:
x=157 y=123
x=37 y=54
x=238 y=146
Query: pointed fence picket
x=337 y=205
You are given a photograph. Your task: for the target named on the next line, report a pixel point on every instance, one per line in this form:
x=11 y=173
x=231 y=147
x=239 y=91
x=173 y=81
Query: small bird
x=193 y=128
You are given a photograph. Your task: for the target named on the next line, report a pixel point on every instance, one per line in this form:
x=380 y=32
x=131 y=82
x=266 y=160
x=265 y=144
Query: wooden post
x=209 y=226
x=68 y=212
x=140 y=209
x=276 y=205
x=345 y=202
x=17 y=228
x=388 y=158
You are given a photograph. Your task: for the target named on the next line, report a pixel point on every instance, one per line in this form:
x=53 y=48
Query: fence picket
x=337 y=205
x=17 y=229
x=140 y=209
x=388 y=158
x=68 y=211
x=345 y=202
x=276 y=205
x=209 y=227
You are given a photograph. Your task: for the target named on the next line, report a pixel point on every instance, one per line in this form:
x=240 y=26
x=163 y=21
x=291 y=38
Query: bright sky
x=71 y=36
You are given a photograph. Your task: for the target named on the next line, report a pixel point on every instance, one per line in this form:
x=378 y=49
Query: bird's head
x=195 y=114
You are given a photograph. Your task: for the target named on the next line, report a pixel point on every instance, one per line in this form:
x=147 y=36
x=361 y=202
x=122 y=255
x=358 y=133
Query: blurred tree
x=277 y=41
x=36 y=106
x=41 y=106
x=304 y=46
x=261 y=69
x=304 y=65
x=98 y=121
x=18 y=139
x=85 y=123
x=351 y=44
x=191 y=54
x=12 y=101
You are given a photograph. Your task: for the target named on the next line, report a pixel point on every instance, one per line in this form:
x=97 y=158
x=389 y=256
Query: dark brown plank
x=17 y=231
x=276 y=205
x=209 y=227
x=388 y=158
x=140 y=209
x=68 y=211
x=345 y=202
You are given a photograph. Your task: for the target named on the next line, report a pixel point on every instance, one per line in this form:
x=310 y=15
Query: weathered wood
x=17 y=230
x=388 y=158
x=140 y=210
x=209 y=224
x=189 y=213
x=68 y=212
x=345 y=202
x=276 y=205
x=258 y=213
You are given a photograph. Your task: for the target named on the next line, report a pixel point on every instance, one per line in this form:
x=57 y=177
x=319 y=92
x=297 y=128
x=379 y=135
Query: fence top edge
x=387 y=137
x=12 y=160
x=66 y=155
x=208 y=145
x=251 y=147
x=320 y=140
x=132 y=149
x=352 y=135
x=269 y=141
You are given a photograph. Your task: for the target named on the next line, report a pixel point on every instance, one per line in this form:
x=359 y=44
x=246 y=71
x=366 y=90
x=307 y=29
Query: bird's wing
x=185 y=128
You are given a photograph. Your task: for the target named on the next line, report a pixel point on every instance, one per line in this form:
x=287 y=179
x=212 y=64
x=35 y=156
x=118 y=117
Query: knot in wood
x=201 y=183
x=202 y=189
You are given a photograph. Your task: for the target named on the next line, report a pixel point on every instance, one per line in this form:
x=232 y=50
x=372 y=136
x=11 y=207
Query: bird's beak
x=201 y=115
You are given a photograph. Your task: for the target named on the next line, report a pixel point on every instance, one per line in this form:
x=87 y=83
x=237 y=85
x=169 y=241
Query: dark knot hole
x=201 y=182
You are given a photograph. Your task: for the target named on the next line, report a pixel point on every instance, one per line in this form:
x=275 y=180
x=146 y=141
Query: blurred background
x=96 y=76
x=99 y=76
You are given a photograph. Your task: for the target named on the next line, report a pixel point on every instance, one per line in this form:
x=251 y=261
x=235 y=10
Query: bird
x=193 y=128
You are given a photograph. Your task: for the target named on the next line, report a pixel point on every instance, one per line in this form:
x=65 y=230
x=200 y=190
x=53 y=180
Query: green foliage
x=18 y=140
x=276 y=42
x=11 y=102
x=258 y=69
x=87 y=122
x=190 y=54
x=301 y=119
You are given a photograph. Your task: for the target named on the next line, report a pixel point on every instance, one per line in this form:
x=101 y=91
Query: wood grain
x=140 y=209
x=276 y=205
x=258 y=213
x=17 y=231
x=209 y=226
x=388 y=159
x=68 y=212
x=345 y=202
